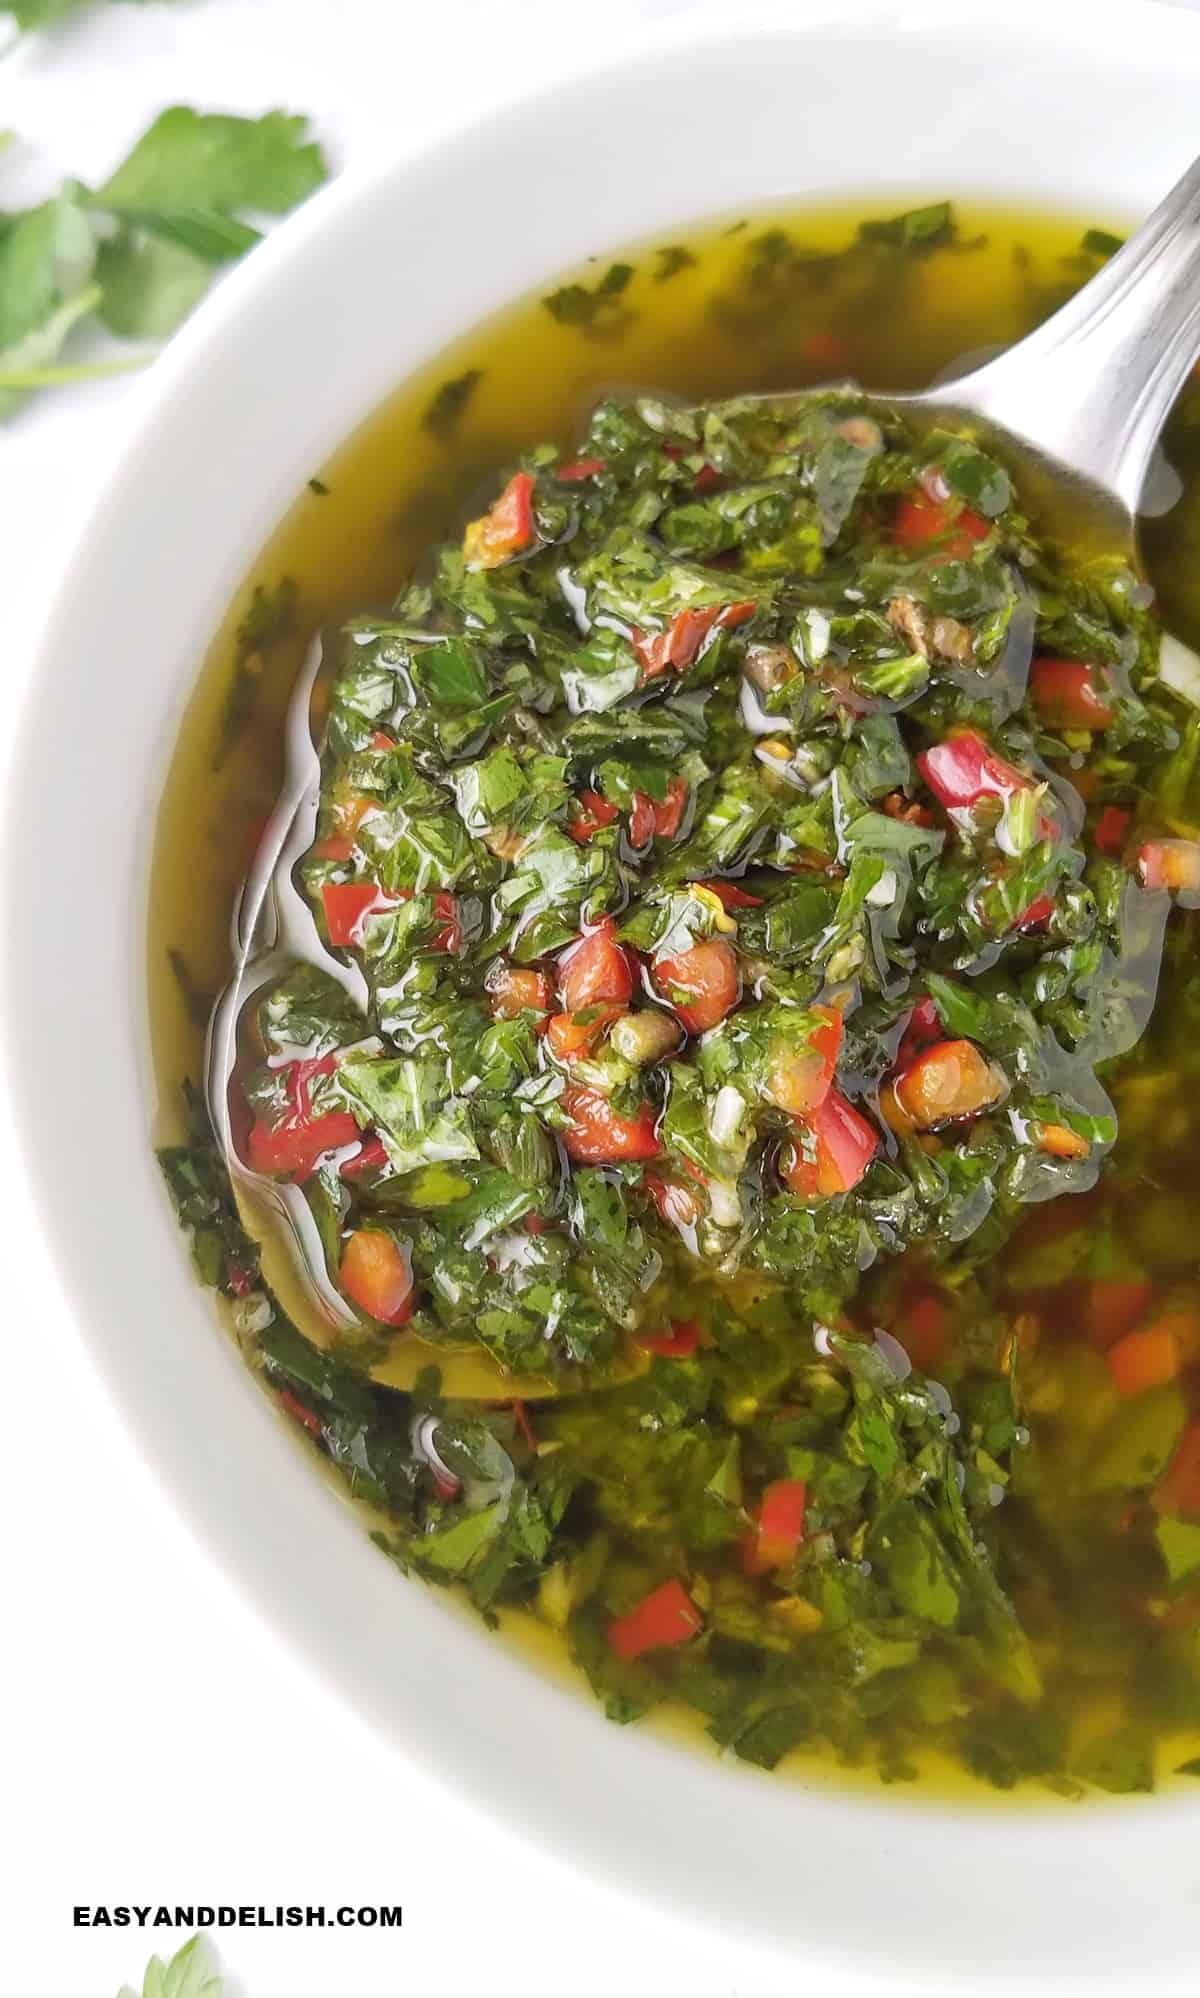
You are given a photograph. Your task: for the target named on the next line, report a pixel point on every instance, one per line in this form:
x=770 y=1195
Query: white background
x=159 y=1746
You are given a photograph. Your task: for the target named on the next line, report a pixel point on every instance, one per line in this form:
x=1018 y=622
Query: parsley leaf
x=187 y=1975
x=197 y=164
x=178 y=202
x=47 y=266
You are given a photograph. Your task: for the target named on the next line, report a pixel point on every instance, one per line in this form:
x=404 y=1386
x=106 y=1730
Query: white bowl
x=1091 y=109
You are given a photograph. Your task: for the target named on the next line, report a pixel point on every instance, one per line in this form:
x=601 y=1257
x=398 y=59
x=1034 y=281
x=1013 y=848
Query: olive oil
x=764 y=302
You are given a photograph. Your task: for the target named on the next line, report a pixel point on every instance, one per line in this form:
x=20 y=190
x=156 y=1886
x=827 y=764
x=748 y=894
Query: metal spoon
x=1078 y=406
x=273 y=930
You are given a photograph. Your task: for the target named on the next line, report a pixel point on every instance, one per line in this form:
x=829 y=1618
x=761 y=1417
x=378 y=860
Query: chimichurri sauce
x=771 y=863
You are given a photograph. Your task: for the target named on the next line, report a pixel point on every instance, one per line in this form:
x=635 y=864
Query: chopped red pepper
x=678 y=645
x=512 y=990
x=730 y=896
x=679 y=1206
x=946 y=1081
x=666 y=1616
x=337 y=848
x=1170 y=863
x=370 y=1157
x=799 y=1080
x=598 y=1136
x=347 y=904
x=239 y=1281
x=702 y=984
x=524 y=1425
x=505 y=529
x=592 y=812
x=1109 y=1306
x=595 y=971
x=579 y=468
x=1059 y=1141
x=920 y=522
x=922 y=1027
x=1112 y=831
x=1065 y=695
x=1145 y=1359
x=679 y=1343
x=641 y=820
x=296 y=1409
x=922 y=1328
x=964 y=768
x=572 y=1035
x=826 y=350
x=778 y=1528
x=291 y=1148
x=1039 y=911
x=842 y=1145
x=652 y=818
x=375 y=1275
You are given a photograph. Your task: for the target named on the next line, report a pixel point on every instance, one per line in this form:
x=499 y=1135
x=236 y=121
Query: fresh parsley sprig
x=188 y=1975
x=140 y=251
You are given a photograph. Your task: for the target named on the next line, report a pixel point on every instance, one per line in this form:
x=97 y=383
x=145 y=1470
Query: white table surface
x=158 y=1745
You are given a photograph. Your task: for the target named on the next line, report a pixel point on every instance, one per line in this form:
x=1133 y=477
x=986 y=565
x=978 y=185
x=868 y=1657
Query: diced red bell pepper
x=1065 y=695
x=964 y=768
x=1112 y=831
x=907 y=810
x=920 y=521
x=347 y=904
x=799 y=1080
x=524 y=1426
x=665 y=1617
x=512 y=990
x=1170 y=863
x=679 y=1342
x=336 y=847
x=1039 y=911
x=291 y=1148
x=652 y=818
x=922 y=1327
x=826 y=350
x=375 y=1274
x=641 y=820
x=678 y=645
x=505 y=529
x=591 y=813
x=579 y=468
x=1059 y=1141
x=949 y=1080
x=702 y=984
x=841 y=1146
x=1109 y=1306
x=570 y=1036
x=370 y=1157
x=922 y=1027
x=678 y=1206
x=1145 y=1359
x=239 y=1281
x=598 y=1136
x=595 y=971
x=1179 y=1488
x=295 y=1408
x=778 y=1529
x=730 y=896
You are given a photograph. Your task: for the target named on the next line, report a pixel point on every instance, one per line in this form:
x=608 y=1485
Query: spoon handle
x=1094 y=385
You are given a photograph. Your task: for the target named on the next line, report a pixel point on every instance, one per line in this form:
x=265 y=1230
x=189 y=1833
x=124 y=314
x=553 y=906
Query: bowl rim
x=274 y=1609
